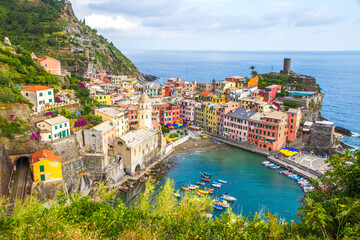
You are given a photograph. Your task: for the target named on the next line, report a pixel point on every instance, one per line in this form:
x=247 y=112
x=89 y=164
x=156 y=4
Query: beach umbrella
x=168 y=125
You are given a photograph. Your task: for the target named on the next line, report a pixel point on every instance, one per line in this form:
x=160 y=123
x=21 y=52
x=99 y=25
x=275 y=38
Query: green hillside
x=49 y=27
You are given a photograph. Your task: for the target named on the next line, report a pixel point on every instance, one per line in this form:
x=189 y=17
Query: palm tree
x=252 y=69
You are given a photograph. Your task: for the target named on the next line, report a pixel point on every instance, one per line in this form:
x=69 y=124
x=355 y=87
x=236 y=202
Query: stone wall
x=20 y=111
x=71 y=169
x=67 y=148
x=322 y=136
x=5 y=171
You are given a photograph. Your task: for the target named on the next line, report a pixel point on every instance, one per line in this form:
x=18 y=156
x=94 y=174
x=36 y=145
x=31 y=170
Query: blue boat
x=206 y=174
x=282 y=172
x=217 y=207
x=216 y=182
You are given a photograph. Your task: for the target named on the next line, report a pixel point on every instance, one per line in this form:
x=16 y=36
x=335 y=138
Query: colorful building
x=294 y=119
x=119 y=118
x=254 y=81
x=268 y=131
x=97 y=139
x=45 y=166
x=221 y=86
x=40 y=96
x=51 y=65
x=54 y=128
x=238 y=80
x=236 y=124
x=168 y=113
x=187 y=111
x=225 y=108
x=270 y=92
x=104 y=99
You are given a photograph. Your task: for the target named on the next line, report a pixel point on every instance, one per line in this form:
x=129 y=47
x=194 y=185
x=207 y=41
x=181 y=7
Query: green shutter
x=42 y=168
x=42 y=177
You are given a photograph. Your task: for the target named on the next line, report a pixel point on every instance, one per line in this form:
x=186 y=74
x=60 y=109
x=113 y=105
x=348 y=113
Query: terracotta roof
x=36 y=88
x=45 y=58
x=205 y=93
x=44 y=154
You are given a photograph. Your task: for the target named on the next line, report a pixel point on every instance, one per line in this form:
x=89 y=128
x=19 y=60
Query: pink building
x=220 y=115
x=187 y=111
x=268 y=130
x=155 y=121
x=51 y=65
x=270 y=92
x=236 y=124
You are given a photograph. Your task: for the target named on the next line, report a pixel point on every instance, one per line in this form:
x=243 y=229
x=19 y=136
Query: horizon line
x=227 y=50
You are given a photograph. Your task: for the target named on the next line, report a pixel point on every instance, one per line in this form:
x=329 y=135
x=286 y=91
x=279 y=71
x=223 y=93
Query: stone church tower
x=144 y=111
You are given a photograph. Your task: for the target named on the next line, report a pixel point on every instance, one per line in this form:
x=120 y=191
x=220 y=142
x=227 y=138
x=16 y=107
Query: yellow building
x=211 y=117
x=45 y=166
x=119 y=118
x=217 y=99
x=200 y=114
x=247 y=103
x=104 y=99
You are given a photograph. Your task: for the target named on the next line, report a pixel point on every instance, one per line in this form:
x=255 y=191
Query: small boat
x=205 y=179
x=216 y=185
x=185 y=188
x=191 y=186
x=199 y=193
x=217 y=207
x=176 y=194
x=288 y=173
x=203 y=192
x=206 y=174
x=275 y=167
x=210 y=190
x=228 y=198
x=304 y=184
x=283 y=172
x=222 y=181
x=265 y=162
x=200 y=183
x=221 y=202
x=269 y=164
x=216 y=182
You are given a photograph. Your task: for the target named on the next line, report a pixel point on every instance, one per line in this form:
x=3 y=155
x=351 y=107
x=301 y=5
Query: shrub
x=165 y=129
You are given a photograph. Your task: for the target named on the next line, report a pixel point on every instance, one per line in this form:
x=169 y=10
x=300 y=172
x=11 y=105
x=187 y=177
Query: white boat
x=222 y=181
x=228 y=198
x=216 y=185
x=177 y=195
x=265 y=162
x=191 y=186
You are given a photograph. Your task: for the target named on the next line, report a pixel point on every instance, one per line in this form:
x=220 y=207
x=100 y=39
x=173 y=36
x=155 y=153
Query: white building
x=40 y=96
x=54 y=128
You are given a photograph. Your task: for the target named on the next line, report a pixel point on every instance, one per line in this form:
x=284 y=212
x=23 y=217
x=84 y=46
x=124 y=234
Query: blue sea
x=338 y=74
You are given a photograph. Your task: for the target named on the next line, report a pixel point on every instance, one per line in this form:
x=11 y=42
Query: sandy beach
x=201 y=144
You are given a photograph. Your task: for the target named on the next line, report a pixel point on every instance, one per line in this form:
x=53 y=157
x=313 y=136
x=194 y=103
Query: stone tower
x=144 y=111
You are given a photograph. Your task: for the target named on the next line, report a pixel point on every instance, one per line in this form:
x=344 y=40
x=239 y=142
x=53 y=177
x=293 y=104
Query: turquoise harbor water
x=256 y=187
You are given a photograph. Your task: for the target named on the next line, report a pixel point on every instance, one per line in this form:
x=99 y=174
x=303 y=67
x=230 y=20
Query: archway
x=137 y=170
x=22 y=170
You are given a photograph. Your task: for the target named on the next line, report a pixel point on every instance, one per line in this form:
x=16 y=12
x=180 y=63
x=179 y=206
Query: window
x=65 y=124
x=42 y=177
x=49 y=93
x=55 y=127
x=60 y=125
x=41 y=94
x=50 y=100
x=49 y=136
x=27 y=94
x=42 y=168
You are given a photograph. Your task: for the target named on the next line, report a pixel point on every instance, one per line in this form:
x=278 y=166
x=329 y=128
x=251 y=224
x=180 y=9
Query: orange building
x=294 y=119
x=51 y=65
x=254 y=81
x=268 y=131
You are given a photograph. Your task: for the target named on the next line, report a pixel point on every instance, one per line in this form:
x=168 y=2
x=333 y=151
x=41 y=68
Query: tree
x=252 y=70
x=254 y=73
x=332 y=211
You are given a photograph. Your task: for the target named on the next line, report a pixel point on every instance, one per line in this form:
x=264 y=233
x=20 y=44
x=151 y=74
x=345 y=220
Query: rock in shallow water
x=343 y=131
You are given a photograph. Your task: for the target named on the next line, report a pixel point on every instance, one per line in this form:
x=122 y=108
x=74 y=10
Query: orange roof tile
x=205 y=93
x=44 y=58
x=44 y=154
x=36 y=88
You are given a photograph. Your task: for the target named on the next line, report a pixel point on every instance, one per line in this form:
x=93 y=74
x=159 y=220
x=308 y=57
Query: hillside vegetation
x=330 y=213
x=49 y=27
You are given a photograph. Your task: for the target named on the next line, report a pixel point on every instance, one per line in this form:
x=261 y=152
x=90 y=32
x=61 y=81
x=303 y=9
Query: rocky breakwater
x=343 y=131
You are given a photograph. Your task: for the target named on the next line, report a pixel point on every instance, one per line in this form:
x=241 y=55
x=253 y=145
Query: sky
x=232 y=25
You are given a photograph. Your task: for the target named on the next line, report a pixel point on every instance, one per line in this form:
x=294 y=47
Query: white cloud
x=106 y=22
